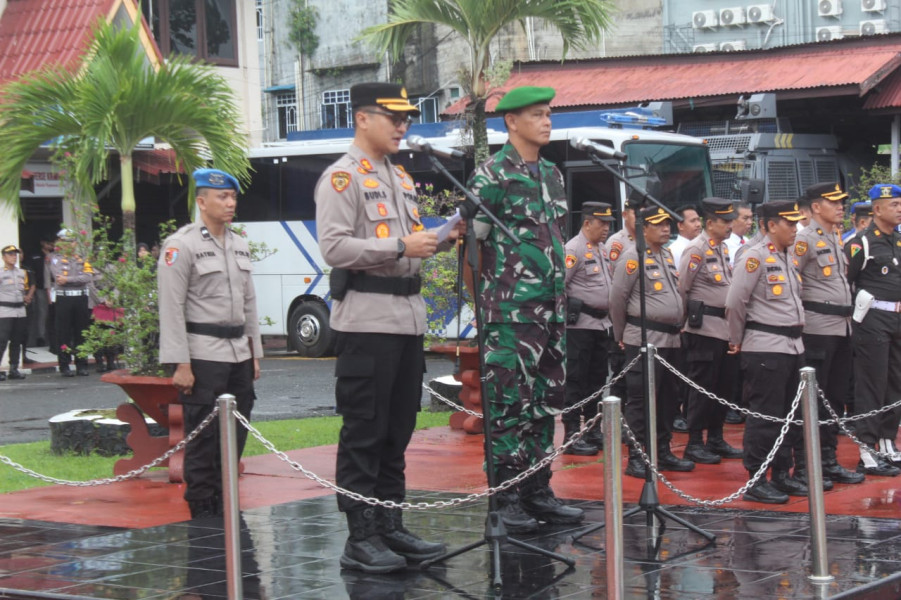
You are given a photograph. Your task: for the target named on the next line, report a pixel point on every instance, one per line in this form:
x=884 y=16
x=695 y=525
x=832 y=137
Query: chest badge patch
x=631 y=266
x=406 y=185
x=770 y=259
x=383 y=210
x=570 y=261
x=340 y=180
x=821 y=244
x=171 y=256
x=382 y=230
x=717 y=278
x=752 y=264
x=589 y=255
x=418 y=226
x=777 y=290
x=658 y=286
x=370 y=183
x=801 y=248
x=827 y=271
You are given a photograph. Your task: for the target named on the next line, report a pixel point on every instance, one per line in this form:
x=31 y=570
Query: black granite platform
x=291 y=551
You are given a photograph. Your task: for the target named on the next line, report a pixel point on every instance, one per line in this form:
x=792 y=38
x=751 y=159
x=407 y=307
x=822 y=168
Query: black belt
x=593 y=312
x=654 y=325
x=227 y=332
x=12 y=304
x=715 y=311
x=793 y=332
x=396 y=286
x=828 y=309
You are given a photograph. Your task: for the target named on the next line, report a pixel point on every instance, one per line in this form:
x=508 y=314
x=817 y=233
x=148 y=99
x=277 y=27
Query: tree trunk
x=479 y=131
x=128 y=202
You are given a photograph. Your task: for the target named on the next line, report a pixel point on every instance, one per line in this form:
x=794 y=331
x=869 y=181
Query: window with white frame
x=335 y=109
x=286 y=107
x=428 y=109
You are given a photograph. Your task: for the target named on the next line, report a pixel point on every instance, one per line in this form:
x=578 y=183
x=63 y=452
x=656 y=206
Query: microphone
x=419 y=144
x=586 y=145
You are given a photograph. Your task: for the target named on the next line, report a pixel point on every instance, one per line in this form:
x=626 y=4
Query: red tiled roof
x=34 y=33
x=856 y=65
x=887 y=94
x=154 y=162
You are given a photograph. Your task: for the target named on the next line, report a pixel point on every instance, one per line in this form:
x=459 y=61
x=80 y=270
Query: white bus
x=278 y=207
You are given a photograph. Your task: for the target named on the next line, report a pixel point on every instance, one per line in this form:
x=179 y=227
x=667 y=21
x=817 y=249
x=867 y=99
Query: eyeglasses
x=397 y=119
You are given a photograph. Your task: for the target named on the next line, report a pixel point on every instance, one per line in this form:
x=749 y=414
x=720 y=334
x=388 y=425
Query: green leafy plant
x=302 y=27
x=439 y=273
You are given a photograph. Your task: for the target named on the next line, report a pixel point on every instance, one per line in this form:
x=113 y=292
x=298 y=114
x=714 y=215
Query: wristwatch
x=401 y=248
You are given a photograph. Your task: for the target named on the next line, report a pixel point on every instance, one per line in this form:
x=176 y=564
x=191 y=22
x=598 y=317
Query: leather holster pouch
x=573 y=310
x=695 y=313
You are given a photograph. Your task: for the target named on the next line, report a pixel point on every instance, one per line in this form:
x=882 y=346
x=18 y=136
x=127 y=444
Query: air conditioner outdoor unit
x=873 y=27
x=757 y=106
x=827 y=34
x=704 y=48
x=733 y=45
x=872 y=5
x=762 y=13
x=704 y=19
x=733 y=17
x=829 y=8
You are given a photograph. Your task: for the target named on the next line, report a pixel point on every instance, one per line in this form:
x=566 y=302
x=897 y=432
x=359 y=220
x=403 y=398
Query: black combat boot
x=800 y=473
x=836 y=472
x=580 y=447
x=635 y=467
x=787 y=484
x=595 y=436
x=764 y=492
x=365 y=550
x=206 y=507
x=509 y=505
x=667 y=461
x=400 y=541
x=539 y=501
x=717 y=445
x=697 y=452
x=14 y=374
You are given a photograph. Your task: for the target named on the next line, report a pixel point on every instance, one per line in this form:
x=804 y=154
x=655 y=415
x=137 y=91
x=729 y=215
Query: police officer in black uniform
x=874 y=271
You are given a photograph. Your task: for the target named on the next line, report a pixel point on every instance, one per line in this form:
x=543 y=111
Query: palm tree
x=117 y=98
x=580 y=22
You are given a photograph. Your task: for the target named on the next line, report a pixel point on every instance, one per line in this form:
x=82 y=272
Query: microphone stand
x=649 y=502
x=495 y=531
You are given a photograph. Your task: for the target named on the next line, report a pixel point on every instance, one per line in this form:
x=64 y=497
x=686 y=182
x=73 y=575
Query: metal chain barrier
x=841 y=423
x=130 y=475
x=576 y=406
x=786 y=424
x=750 y=413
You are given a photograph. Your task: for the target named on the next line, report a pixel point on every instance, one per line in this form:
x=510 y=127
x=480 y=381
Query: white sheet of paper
x=445 y=229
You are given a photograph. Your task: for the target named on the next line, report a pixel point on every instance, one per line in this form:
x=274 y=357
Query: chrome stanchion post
x=651 y=425
x=819 y=566
x=228 y=444
x=613 y=492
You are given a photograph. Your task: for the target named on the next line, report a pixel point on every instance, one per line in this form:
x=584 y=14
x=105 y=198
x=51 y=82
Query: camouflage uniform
x=522 y=294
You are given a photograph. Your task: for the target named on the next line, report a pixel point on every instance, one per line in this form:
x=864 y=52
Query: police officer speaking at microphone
x=826 y=296
x=209 y=329
x=588 y=333
x=372 y=236
x=874 y=270
x=765 y=317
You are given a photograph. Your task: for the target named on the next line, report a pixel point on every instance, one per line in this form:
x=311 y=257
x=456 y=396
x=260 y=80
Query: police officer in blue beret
x=861 y=217
x=209 y=329
x=874 y=272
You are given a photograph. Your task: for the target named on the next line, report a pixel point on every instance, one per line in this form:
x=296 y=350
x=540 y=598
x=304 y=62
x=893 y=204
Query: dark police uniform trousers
x=830 y=355
x=667 y=402
x=708 y=365
x=378 y=393
x=203 y=465
x=770 y=386
x=586 y=370
x=13 y=331
x=72 y=318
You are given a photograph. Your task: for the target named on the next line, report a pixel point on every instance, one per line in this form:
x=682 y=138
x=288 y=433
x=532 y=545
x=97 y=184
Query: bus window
x=299 y=177
x=588 y=184
x=260 y=200
x=680 y=174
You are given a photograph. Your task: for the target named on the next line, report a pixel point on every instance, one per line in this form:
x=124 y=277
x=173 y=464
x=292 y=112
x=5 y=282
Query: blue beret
x=216 y=179
x=862 y=208
x=526 y=95
x=884 y=190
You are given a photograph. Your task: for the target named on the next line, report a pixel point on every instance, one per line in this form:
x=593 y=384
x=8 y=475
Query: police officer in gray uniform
x=14 y=284
x=617 y=244
x=588 y=332
x=665 y=315
x=704 y=277
x=371 y=234
x=874 y=270
x=72 y=279
x=765 y=317
x=826 y=297
x=209 y=329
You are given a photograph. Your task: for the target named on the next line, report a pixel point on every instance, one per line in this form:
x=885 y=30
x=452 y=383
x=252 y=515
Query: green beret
x=524 y=96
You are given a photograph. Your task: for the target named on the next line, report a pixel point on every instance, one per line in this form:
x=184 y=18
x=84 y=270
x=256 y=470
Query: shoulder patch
x=570 y=261
x=801 y=248
x=340 y=180
x=171 y=256
x=752 y=264
x=855 y=248
x=695 y=262
x=631 y=266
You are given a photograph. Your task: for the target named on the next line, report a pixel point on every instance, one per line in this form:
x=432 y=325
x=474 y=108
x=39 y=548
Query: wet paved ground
x=291 y=551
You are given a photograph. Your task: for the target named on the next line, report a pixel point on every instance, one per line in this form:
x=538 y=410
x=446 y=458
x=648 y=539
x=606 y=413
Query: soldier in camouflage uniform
x=522 y=296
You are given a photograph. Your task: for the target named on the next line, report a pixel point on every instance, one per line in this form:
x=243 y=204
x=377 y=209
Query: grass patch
x=291 y=434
